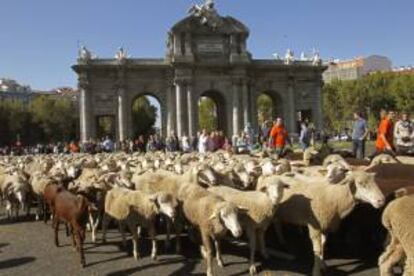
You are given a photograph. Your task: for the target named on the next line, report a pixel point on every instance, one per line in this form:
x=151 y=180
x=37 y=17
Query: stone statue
x=84 y=54
x=121 y=54
x=303 y=56
x=276 y=56
x=207 y=13
x=316 y=60
x=289 y=57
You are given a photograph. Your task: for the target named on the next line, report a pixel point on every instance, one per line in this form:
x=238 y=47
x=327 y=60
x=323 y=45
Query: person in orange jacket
x=279 y=137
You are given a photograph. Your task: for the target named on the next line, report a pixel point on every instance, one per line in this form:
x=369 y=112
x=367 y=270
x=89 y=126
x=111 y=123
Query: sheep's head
x=206 y=175
x=336 y=173
x=178 y=168
x=365 y=188
x=274 y=190
x=268 y=168
x=73 y=171
x=228 y=214
x=308 y=155
x=245 y=178
x=282 y=167
x=166 y=204
x=383 y=159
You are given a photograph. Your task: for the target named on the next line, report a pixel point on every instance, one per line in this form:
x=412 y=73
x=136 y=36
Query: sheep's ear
x=289 y=174
x=263 y=189
x=153 y=198
x=285 y=186
x=323 y=171
x=400 y=192
x=243 y=209
x=213 y=216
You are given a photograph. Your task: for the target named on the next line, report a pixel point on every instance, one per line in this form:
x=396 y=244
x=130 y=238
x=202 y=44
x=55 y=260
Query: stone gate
x=206 y=55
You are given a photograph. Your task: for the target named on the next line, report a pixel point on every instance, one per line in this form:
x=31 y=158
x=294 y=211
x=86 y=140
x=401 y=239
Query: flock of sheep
x=211 y=196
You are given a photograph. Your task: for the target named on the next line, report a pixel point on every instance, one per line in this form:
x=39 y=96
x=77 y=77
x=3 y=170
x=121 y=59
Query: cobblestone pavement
x=26 y=248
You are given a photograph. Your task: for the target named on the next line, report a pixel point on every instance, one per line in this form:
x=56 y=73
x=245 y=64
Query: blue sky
x=38 y=39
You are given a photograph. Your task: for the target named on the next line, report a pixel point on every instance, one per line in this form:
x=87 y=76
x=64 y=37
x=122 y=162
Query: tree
x=208 y=114
x=368 y=95
x=144 y=116
x=265 y=108
x=56 y=118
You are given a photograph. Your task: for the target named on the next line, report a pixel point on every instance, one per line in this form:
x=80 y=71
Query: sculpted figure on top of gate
x=207 y=13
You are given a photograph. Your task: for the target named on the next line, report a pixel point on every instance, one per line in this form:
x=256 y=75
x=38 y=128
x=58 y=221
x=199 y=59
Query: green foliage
x=208 y=117
x=265 y=108
x=368 y=95
x=46 y=119
x=144 y=116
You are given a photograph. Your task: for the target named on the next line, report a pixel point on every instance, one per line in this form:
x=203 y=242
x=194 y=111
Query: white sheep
x=321 y=207
x=14 y=190
x=213 y=216
x=398 y=219
x=137 y=208
x=261 y=207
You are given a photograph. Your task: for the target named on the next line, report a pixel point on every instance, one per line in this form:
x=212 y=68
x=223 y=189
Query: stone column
x=191 y=112
x=84 y=108
x=236 y=109
x=291 y=108
x=122 y=114
x=177 y=45
x=246 y=105
x=318 y=106
x=180 y=109
x=171 y=116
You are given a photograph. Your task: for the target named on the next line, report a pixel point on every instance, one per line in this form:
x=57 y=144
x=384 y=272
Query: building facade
x=356 y=68
x=207 y=56
x=11 y=90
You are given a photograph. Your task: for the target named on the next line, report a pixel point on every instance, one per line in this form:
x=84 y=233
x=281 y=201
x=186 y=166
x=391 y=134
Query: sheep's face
x=366 y=189
x=252 y=168
x=207 y=174
x=335 y=173
x=245 y=178
x=274 y=190
x=268 y=168
x=72 y=172
x=283 y=168
x=167 y=204
x=229 y=214
x=178 y=168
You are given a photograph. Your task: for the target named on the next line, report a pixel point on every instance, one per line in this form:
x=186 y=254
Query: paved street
x=26 y=247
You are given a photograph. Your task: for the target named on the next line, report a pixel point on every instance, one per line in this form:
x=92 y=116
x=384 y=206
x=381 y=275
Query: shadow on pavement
x=139 y=268
x=15 y=262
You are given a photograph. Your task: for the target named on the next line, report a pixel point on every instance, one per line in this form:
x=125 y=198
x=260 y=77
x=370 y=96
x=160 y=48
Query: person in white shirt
x=203 y=142
x=404 y=135
x=185 y=143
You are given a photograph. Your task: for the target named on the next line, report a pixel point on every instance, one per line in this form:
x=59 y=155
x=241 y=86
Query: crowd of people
x=393 y=137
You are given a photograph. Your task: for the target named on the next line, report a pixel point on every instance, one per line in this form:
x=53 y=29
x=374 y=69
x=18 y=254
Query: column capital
x=83 y=81
x=183 y=81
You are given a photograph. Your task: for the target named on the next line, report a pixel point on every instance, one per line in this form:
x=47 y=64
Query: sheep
x=213 y=216
x=336 y=159
x=137 y=208
x=260 y=206
x=321 y=207
x=72 y=209
x=397 y=218
x=168 y=182
x=14 y=189
x=309 y=155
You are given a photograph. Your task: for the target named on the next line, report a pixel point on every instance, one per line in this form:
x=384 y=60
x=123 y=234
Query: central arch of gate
x=206 y=56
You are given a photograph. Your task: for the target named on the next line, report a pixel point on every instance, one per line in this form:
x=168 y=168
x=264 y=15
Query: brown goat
x=74 y=210
x=49 y=196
